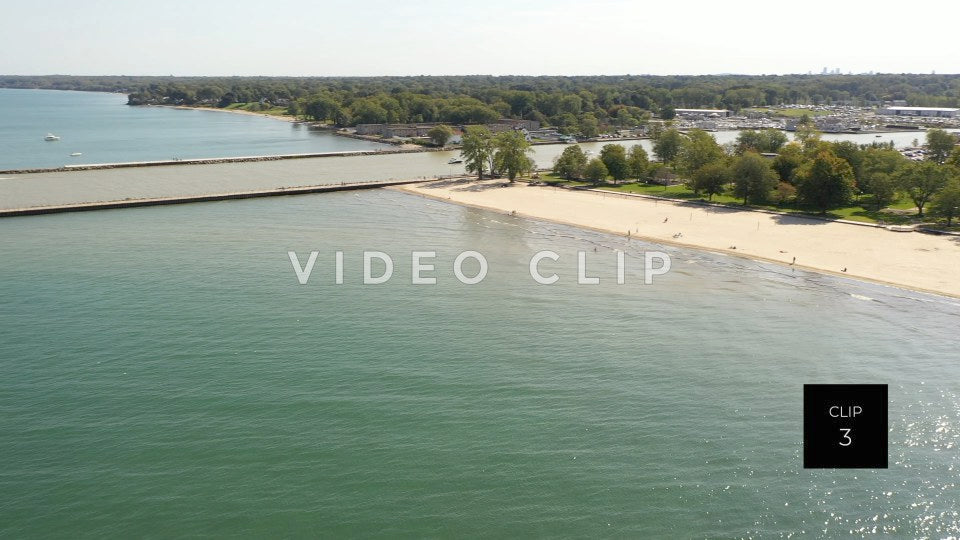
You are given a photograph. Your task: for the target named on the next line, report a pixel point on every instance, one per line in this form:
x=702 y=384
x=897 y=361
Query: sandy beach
x=905 y=259
x=283 y=117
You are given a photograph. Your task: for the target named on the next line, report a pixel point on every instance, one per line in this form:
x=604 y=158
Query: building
x=703 y=113
x=548 y=134
x=529 y=125
x=395 y=130
x=421 y=129
x=936 y=112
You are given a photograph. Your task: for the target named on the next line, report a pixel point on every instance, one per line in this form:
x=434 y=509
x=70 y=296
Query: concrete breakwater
x=131 y=203
x=212 y=161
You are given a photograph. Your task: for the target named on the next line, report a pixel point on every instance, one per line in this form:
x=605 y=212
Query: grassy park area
x=901 y=212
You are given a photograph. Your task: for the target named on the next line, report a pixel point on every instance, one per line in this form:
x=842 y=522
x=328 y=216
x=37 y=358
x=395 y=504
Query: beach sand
x=285 y=118
x=912 y=260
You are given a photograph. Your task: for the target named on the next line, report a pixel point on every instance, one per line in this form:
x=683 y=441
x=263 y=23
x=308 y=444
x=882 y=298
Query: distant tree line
x=761 y=168
x=584 y=105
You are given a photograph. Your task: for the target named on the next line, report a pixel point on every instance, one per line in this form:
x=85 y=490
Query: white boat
x=51 y=137
x=75 y=154
x=454 y=161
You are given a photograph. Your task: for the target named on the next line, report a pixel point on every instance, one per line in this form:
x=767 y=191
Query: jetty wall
x=210 y=161
x=132 y=203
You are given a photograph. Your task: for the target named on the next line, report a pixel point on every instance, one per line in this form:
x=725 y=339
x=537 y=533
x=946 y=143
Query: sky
x=496 y=37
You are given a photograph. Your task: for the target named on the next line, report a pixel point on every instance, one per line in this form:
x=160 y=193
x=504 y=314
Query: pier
x=160 y=201
x=214 y=161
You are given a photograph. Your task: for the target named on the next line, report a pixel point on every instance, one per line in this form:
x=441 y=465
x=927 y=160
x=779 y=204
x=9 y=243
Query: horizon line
x=724 y=74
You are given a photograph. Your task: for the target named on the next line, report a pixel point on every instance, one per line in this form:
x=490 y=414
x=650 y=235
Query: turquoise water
x=164 y=374
x=105 y=130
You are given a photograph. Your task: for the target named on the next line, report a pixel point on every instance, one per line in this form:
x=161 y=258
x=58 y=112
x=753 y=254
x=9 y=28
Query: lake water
x=164 y=373
x=105 y=130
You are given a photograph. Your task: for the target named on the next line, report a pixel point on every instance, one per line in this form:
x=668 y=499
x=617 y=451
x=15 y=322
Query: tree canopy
x=585 y=104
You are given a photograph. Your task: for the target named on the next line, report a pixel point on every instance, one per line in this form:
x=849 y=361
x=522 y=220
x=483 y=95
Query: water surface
x=105 y=130
x=164 y=373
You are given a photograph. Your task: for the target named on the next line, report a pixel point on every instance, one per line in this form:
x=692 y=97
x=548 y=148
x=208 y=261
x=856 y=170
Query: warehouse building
x=937 y=112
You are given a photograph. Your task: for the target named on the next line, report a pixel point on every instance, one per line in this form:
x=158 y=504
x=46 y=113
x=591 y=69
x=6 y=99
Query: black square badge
x=845 y=426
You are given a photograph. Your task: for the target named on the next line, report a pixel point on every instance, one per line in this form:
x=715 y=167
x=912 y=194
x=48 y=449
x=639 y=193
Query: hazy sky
x=539 y=37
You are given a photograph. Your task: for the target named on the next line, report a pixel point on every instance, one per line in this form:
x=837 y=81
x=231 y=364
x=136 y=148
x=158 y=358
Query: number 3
x=846 y=435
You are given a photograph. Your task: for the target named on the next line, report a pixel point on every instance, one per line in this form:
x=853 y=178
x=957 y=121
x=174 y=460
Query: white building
x=703 y=113
x=938 y=112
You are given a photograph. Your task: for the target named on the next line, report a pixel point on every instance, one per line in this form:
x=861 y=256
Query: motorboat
x=75 y=154
x=454 y=161
x=51 y=137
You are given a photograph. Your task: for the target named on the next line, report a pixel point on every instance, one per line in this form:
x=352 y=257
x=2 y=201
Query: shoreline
x=281 y=117
x=911 y=261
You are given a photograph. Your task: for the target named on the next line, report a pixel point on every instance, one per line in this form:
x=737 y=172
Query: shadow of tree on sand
x=465 y=184
x=800 y=219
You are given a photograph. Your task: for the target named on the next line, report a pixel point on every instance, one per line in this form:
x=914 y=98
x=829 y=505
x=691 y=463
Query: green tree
x=784 y=193
x=880 y=166
x=511 y=151
x=638 y=162
x=596 y=171
x=667 y=145
x=767 y=140
x=786 y=164
x=921 y=180
x=753 y=178
x=614 y=157
x=946 y=203
x=477 y=150
x=571 y=163
x=939 y=145
x=322 y=108
x=850 y=152
x=368 y=111
x=440 y=135
x=954 y=158
x=806 y=132
x=710 y=179
x=826 y=182
x=883 y=189
x=589 y=126
x=698 y=149
x=668 y=112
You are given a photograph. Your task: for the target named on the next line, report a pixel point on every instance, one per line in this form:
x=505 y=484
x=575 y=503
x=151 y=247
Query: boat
x=51 y=137
x=75 y=154
x=454 y=161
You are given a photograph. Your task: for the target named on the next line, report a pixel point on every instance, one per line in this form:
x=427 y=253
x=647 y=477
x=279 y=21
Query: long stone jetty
x=131 y=203
x=213 y=161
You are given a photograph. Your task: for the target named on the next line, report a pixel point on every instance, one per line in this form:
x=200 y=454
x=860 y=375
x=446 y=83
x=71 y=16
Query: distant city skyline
x=538 y=37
